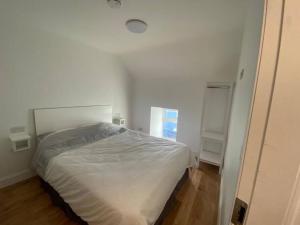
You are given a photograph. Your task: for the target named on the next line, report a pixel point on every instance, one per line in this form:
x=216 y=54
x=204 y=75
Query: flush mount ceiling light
x=136 y=26
x=114 y=3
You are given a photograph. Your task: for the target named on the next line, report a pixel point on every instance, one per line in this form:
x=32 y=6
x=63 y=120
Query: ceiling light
x=136 y=26
x=114 y=3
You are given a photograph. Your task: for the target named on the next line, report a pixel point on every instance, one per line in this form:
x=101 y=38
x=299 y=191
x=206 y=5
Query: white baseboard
x=15 y=178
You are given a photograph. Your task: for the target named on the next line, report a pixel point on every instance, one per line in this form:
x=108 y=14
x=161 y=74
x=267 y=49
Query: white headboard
x=52 y=119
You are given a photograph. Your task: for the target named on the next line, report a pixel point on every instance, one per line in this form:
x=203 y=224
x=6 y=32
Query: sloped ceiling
x=170 y=22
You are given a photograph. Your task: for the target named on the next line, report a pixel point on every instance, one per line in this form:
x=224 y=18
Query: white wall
x=211 y=56
x=177 y=94
x=156 y=119
x=39 y=69
x=217 y=103
x=241 y=107
x=174 y=76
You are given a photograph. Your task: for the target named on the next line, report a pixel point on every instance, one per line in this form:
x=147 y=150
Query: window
x=164 y=123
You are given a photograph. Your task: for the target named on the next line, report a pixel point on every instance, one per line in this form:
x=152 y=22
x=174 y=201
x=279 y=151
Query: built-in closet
x=215 y=120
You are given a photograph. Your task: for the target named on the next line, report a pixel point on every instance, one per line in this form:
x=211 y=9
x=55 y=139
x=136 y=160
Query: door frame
x=261 y=101
x=275 y=196
x=262 y=98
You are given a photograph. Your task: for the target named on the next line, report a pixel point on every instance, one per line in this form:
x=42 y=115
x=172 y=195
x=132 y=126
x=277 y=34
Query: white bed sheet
x=125 y=179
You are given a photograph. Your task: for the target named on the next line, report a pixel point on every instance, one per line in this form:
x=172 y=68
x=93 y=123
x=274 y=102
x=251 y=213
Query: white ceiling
x=93 y=22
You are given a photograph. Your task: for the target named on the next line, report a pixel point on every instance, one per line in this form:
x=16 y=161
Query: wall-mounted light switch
x=242 y=74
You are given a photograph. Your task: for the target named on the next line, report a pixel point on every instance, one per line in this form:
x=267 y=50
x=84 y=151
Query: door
x=244 y=179
x=241 y=108
x=274 y=198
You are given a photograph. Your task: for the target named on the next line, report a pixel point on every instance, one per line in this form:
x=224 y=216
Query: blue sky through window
x=170 y=114
x=170 y=123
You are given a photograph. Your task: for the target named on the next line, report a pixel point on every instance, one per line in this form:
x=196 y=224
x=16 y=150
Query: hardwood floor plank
x=196 y=202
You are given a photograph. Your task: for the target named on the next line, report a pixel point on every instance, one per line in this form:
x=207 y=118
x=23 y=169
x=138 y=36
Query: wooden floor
x=26 y=203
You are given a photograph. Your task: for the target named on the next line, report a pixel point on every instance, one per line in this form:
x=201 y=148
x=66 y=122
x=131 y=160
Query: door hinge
x=239 y=212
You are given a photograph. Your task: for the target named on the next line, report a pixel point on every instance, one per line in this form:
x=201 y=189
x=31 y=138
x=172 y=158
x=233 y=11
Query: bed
x=106 y=174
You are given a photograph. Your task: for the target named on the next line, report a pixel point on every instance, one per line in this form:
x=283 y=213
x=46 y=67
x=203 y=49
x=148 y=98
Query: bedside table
x=119 y=121
x=20 y=141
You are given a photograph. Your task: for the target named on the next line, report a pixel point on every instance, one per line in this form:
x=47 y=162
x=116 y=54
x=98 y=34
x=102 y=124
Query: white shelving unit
x=215 y=119
x=213 y=135
x=20 y=141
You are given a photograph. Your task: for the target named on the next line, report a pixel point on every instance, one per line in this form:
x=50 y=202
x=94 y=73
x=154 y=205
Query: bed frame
x=52 y=119
x=57 y=200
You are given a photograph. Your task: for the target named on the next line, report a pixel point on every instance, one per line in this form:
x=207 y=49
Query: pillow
x=53 y=144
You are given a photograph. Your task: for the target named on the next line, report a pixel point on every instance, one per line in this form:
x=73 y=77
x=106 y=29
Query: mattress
x=55 y=143
x=124 y=179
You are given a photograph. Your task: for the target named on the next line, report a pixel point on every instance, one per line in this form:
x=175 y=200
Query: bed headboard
x=52 y=119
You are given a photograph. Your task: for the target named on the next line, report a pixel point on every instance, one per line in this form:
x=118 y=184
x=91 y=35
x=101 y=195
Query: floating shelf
x=211 y=158
x=20 y=141
x=215 y=119
x=213 y=135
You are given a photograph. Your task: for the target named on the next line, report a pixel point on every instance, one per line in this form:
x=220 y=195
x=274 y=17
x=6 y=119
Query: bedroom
x=184 y=72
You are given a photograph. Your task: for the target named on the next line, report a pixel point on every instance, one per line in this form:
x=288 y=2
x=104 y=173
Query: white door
x=274 y=199
x=241 y=108
x=269 y=178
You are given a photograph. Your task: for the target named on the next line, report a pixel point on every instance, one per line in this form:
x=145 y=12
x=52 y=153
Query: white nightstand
x=20 y=141
x=119 y=121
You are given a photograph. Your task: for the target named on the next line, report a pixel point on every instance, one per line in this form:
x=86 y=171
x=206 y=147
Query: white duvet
x=125 y=179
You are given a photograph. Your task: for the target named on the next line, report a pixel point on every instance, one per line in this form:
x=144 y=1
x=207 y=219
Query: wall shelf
x=214 y=126
x=211 y=158
x=20 y=141
x=213 y=135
